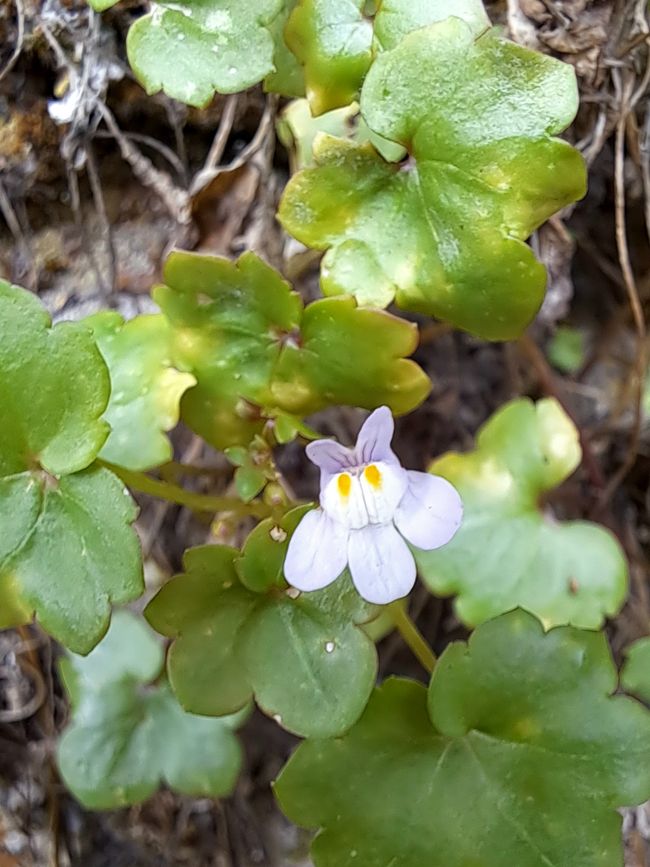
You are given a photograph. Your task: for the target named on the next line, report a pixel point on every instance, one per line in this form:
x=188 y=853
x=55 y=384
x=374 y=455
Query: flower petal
x=317 y=552
x=373 y=442
x=381 y=565
x=383 y=485
x=430 y=512
x=341 y=498
x=331 y=457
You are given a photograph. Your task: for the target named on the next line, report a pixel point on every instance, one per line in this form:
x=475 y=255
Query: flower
x=369 y=504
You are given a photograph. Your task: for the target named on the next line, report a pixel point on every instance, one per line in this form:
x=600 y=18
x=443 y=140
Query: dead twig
x=207 y=175
x=176 y=200
x=75 y=204
x=20 y=39
x=173 y=159
x=100 y=206
x=221 y=137
x=27 y=710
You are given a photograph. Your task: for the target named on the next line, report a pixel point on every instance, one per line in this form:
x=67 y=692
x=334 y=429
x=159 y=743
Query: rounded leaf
x=203 y=610
x=333 y=41
x=54 y=387
x=77 y=553
x=145 y=388
x=312 y=673
x=241 y=331
x=305 y=658
x=528 y=769
x=350 y=355
x=443 y=232
x=508 y=551
x=191 y=50
x=228 y=321
x=124 y=741
x=635 y=676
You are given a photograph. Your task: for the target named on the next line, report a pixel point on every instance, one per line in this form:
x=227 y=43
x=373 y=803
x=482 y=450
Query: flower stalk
x=412 y=637
x=144 y=484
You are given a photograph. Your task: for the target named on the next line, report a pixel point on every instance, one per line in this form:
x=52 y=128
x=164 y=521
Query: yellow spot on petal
x=344 y=484
x=373 y=476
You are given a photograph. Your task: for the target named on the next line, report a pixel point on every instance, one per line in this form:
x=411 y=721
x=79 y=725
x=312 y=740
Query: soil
x=98 y=181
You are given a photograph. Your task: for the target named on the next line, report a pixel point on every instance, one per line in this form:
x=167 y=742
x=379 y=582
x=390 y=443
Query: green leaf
x=249 y=481
x=288 y=427
x=443 y=233
x=192 y=48
x=304 y=658
x=310 y=665
x=635 y=676
x=67 y=550
x=526 y=770
x=102 y=5
x=297 y=128
x=229 y=320
x=128 y=651
x=349 y=355
x=566 y=350
x=260 y=566
x=126 y=739
x=204 y=609
x=397 y=18
x=333 y=41
x=242 y=332
x=54 y=388
x=510 y=551
x=336 y=40
x=77 y=553
x=287 y=80
x=145 y=388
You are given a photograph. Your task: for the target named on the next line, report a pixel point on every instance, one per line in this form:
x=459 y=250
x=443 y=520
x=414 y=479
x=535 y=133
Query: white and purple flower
x=369 y=506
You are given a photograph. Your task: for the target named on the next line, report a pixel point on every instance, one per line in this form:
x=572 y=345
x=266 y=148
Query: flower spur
x=370 y=507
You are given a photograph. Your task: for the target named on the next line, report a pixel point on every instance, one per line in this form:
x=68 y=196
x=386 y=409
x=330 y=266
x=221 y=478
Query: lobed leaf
x=336 y=41
x=102 y=5
x=333 y=41
x=67 y=549
x=297 y=129
x=229 y=321
x=349 y=355
x=526 y=770
x=395 y=19
x=145 y=388
x=635 y=676
x=191 y=49
x=510 y=551
x=288 y=79
x=443 y=232
x=48 y=421
x=241 y=331
x=126 y=739
x=305 y=659
x=260 y=566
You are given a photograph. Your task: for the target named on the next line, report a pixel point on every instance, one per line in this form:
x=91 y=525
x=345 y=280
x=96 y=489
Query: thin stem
x=175 y=494
x=413 y=637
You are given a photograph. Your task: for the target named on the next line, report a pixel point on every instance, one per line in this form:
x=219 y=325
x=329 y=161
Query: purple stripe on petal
x=430 y=511
x=381 y=565
x=317 y=552
x=331 y=457
x=373 y=442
